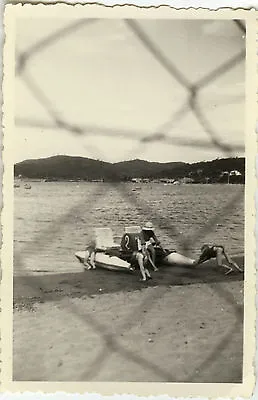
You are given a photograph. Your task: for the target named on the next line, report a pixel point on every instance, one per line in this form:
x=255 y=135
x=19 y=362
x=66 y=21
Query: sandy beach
x=105 y=326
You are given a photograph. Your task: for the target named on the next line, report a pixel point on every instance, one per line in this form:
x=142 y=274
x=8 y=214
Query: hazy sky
x=110 y=90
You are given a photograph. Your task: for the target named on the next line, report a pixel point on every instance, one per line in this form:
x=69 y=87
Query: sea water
x=53 y=220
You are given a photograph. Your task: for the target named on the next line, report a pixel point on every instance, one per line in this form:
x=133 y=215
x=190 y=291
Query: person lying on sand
x=134 y=252
x=149 y=239
x=217 y=251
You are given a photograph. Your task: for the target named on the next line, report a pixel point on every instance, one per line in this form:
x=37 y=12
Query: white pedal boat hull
x=105 y=261
x=113 y=263
x=176 y=259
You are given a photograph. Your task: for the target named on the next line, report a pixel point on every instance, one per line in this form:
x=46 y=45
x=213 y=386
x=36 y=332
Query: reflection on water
x=54 y=220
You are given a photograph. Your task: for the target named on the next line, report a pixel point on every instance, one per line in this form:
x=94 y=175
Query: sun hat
x=148 y=227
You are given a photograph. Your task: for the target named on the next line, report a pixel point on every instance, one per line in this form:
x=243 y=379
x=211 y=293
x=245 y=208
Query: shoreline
x=41 y=287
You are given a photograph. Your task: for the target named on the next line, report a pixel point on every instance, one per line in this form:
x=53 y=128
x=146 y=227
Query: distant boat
x=27 y=186
x=16 y=185
x=50 y=180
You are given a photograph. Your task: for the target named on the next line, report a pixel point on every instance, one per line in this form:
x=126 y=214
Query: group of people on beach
x=141 y=250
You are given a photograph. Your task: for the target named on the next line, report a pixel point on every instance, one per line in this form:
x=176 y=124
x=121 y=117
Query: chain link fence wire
x=191 y=103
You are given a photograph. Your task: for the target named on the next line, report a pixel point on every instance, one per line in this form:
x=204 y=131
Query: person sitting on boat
x=217 y=251
x=150 y=240
x=133 y=251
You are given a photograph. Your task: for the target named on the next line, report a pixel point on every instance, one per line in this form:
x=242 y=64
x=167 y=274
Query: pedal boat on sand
x=107 y=253
x=106 y=261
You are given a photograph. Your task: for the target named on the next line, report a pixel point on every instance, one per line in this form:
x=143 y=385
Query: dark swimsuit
x=146 y=235
x=160 y=252
x=209 y=252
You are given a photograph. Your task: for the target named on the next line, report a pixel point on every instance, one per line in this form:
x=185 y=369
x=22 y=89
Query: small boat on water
x=135 y=189
x=27 y=186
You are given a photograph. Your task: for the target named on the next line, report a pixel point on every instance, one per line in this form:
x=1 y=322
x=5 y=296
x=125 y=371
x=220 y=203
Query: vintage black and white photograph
x=129 y=179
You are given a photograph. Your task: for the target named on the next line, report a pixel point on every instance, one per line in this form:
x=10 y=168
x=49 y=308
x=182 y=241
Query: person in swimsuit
x=217 y=251
x=89 y=262
x=133 y=251
x=149 y=241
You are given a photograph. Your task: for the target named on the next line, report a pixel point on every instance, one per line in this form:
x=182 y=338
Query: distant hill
x=63 y=167
x=212 y=171
x=80 y=168
x=145 y=169
x=67 y=167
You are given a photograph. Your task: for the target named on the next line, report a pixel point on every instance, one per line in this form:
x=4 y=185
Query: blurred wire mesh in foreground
x=163 y=90
x=146 y=83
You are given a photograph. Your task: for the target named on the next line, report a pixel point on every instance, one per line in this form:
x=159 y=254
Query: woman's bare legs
x=220 y=254
x=231 y=262
x=92 y=260
x=151 y=254
x=144 y=271
x=139 y=258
